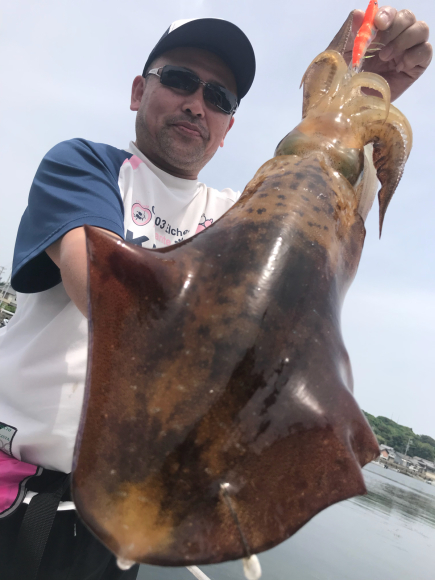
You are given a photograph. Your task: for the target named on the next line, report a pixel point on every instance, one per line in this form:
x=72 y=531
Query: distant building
x=386 y=452
x=8 y=294
x=8 y=302
x=412 y=464
x=424 y=464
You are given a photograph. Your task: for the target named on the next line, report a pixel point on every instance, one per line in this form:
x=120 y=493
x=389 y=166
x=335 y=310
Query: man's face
x=178 y=131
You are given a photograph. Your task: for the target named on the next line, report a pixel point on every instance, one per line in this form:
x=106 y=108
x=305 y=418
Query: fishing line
x=251 y=564
x=224 y=490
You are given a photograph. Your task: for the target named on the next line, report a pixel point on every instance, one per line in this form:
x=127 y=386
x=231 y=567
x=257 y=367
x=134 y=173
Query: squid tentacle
x=322 y=80
x=329 y=87
x=390 y=153
x=368 y=81
x=365 y=190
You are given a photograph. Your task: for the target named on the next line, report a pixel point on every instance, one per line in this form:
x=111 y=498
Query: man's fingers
x=416 y=60
x=414 y=35
x=383 y=20
x=405 y=54
x=403 y=20
x=358 y=17
x=385 y=17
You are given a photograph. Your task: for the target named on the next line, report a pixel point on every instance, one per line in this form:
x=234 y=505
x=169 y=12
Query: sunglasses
x=181 y=78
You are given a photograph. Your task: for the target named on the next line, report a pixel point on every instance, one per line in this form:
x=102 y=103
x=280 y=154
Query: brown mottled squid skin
x=220 y=360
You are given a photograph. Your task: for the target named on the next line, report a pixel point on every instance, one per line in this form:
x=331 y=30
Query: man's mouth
x=188 y=129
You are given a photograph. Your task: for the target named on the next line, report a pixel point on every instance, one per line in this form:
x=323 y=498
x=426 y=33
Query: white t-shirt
x=43 y=349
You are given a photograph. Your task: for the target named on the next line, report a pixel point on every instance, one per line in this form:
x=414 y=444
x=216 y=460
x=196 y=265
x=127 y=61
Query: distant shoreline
x=404 y=470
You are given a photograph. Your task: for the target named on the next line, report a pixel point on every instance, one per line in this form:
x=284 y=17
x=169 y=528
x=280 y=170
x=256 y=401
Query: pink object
x=13 y=476
x=205 y=223
x=134 y=161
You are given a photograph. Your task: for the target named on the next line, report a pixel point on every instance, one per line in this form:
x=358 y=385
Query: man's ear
x=136 y=92
x=231 y=123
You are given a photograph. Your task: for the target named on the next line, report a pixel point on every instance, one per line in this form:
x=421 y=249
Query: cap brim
x=221 y=37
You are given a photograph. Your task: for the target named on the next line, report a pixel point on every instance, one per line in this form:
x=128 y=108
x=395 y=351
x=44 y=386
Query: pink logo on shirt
x=140 y=215
x=204 y=223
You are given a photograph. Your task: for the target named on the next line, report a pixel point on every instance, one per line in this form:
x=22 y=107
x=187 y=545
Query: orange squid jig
x=365 y=36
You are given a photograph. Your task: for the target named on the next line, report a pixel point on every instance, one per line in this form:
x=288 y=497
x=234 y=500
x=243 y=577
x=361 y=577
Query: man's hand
x=406 y=54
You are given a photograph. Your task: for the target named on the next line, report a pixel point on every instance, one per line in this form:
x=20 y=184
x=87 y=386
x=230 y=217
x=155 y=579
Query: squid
x=219 y=414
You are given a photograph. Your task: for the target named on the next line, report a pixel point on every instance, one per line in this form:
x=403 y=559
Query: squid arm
x=329 y=86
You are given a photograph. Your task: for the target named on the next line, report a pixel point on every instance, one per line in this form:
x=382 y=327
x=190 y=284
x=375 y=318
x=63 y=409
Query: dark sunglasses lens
x=177 y=78
x=181 y=78
x=221 y=98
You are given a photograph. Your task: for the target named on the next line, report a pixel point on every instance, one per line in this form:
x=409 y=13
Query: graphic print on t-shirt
x=163 y=226
x=7 y=433
x=136 y=241
x=204 y=223
x=140 y=215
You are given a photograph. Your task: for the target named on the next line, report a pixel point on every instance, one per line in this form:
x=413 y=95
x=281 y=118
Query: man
x=185 y=100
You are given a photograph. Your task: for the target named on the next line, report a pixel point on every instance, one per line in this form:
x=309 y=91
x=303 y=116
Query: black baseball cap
x=221 y=37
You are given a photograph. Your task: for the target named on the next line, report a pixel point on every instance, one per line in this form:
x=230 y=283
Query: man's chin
x=183 y=158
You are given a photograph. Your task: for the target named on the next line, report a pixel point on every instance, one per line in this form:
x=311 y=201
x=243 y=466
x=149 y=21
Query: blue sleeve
x=76 y=184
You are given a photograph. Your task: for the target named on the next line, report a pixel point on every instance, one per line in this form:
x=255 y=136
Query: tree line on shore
x=390 y=433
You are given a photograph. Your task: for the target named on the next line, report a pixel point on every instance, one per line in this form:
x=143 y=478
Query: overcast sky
x=66 y=71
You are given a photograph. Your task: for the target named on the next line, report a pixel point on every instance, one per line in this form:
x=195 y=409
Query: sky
x=66 y=70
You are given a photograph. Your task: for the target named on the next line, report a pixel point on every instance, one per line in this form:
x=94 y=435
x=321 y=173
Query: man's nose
x=194 y=103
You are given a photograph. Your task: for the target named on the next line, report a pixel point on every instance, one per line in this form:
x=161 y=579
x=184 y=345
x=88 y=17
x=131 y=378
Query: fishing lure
x=365 y=36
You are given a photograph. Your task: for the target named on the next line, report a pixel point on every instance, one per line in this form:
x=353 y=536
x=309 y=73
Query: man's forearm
x=69 y=255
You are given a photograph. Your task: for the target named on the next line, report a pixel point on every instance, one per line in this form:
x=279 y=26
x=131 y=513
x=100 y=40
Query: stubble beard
x=182 y=153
